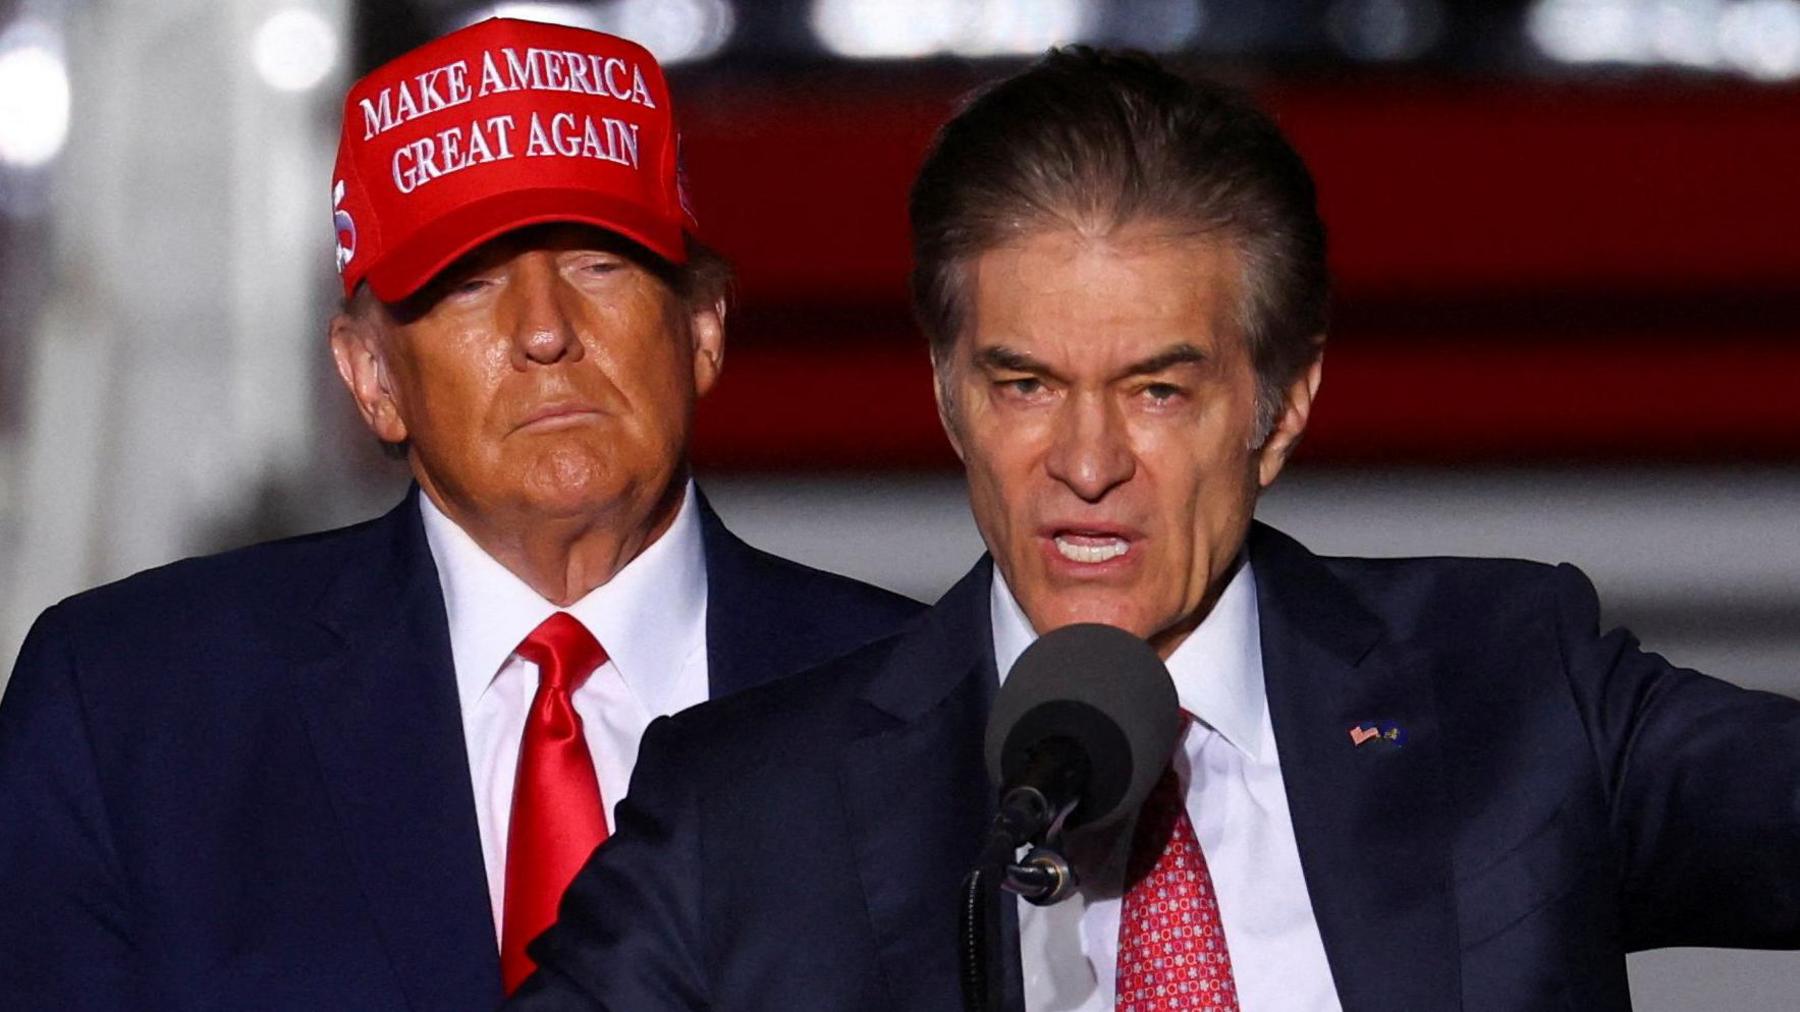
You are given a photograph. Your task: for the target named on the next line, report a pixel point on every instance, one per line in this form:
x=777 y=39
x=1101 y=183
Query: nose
x=1091 y=453
x=542 y=328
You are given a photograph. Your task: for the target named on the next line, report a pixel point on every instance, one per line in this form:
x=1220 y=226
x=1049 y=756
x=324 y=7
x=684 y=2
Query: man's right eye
x=1024 y=386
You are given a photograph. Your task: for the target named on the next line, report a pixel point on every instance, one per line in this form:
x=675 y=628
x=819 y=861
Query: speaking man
x=1406 y=784
x=354 y=770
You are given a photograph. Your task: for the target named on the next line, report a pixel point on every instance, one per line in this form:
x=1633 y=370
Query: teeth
x=1091 y=553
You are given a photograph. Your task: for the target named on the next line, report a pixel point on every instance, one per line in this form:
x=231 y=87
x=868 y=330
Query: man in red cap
x=356 y=769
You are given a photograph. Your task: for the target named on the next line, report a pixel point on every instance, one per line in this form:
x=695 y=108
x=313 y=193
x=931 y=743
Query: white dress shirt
x=1239 y=809
x=651 y=620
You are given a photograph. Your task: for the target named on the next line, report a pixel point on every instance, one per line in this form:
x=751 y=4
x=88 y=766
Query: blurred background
x=1565 y=235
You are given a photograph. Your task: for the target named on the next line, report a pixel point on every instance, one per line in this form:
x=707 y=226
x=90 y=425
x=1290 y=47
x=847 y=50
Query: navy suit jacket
x=1559 y=798
x=240 y=782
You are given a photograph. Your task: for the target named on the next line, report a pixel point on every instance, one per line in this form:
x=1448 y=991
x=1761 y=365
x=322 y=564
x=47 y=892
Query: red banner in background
x=1526 y=273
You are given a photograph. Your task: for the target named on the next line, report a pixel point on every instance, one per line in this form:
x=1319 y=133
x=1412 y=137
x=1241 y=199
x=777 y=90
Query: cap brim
x=408 y=267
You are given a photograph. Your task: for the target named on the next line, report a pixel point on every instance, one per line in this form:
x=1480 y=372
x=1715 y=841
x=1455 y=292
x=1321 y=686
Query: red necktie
x=557 y=815
x=1172 y=955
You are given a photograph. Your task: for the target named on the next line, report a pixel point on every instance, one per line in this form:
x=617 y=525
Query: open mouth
x=1090 y=548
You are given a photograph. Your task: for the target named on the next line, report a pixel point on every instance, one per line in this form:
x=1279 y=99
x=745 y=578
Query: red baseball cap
x=501 y=125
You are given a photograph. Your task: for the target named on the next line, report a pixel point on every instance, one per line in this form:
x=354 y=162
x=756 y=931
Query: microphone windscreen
x=1102 y=688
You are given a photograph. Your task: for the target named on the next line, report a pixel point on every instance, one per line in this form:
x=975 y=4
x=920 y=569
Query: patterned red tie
x=1172 y=955
x=557 y=815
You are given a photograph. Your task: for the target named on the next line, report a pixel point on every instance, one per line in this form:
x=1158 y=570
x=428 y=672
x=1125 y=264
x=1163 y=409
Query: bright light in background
x=1762 y=38
x=1019 y=27
x=294 y=49
x=1588 y=31
x=34 y=96
x=1758 y=38
x=877 y=28
x=880 y=29
x=1386 y=29
x=1162 y=26
x=571 y=15
x=1685 y=32
x=674 y=30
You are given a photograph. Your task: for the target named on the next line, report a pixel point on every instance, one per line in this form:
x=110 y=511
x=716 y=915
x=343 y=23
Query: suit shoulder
x=790 y=616
x=272 y=575
x=788 y=713
x=821 y=615
x=1442 y=572
x=1461 y=592
x=140 y=651
x=816 y=590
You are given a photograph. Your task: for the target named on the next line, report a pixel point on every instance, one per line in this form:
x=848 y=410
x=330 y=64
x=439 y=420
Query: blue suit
x=1551 y=799
x=240 y=782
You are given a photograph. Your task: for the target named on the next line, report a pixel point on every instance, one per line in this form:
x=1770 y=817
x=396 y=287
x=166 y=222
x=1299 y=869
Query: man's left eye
x=600 y=265
x=1162 y=392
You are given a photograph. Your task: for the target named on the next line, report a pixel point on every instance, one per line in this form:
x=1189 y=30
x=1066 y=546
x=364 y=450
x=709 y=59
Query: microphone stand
x=1043 y=876
x=979 y=931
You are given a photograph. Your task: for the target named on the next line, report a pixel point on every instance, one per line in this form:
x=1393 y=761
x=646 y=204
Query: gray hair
x=1096 y=140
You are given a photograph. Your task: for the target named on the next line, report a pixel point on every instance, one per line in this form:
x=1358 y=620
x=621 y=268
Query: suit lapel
x=916 y=793
x=1369 y=818
x=740 y=652
x=733 y=611
x=381 y=706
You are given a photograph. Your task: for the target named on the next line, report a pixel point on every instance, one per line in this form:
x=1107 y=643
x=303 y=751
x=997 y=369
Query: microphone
x=1079 y=733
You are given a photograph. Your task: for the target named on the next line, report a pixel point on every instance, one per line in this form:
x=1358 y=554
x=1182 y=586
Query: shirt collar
x=1218 y=670
x=649 y=617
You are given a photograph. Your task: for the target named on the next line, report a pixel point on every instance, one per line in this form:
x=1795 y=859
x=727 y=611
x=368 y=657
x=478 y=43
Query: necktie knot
x=1155 y=826
x=564 y=652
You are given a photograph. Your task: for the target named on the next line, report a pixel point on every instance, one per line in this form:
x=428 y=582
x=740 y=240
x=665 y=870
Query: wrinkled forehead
x=1099 y=300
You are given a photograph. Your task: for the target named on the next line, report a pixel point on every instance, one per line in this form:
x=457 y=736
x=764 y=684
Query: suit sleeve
x=1703 y=781
x=628 y=934
x=64 y=928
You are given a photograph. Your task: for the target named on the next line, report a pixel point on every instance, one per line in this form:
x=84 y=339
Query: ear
x=942 y=376
x=361 y=363
x=1296 y=409
x=707 y=326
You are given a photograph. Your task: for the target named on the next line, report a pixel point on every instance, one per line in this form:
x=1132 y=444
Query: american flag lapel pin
x=1379 y=732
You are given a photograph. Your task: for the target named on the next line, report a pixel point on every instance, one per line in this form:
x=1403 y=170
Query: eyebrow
x=1168 y=358
x=1012 y=360
x=1001 y=357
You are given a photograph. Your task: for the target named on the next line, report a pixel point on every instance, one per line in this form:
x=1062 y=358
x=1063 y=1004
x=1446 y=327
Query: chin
x=572 y=505
x=571 y=480
x=574 y=499
x=1055 y=610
